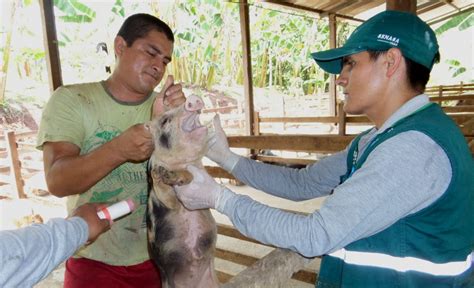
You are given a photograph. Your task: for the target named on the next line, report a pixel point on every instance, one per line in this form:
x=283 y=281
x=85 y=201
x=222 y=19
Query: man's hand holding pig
x=135 y=144
x=203 y=192
x=218 y=148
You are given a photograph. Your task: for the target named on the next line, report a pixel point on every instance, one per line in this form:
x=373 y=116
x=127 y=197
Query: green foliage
x=118 y=8
x=199 y=45
x=469 y=22
x=282 y=44
x=462 y=21
x=207 y=50
x=455 y=67
x=208 y=46
x=76 y=12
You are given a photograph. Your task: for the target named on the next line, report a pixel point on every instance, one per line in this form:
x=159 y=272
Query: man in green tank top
x=95 y=148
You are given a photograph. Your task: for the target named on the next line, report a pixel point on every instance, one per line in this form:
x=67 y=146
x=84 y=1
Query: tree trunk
x=6 y=53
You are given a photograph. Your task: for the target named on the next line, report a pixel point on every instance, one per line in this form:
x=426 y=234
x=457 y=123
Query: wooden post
x=53 y=62
x=332 y=77
x=341 y=119
x=256 y=124
x=440 y=94
x=15 y=171
x=247 y=64
x=402 y=5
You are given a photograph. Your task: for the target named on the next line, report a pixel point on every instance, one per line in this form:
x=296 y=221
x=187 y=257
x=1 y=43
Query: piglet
x=181 y=242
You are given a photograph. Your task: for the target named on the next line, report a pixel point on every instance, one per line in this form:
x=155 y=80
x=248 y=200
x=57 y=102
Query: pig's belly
x=182 y=244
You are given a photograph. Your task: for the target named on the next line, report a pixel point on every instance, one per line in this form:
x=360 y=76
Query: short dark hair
x=139 y=25
x=417 y=74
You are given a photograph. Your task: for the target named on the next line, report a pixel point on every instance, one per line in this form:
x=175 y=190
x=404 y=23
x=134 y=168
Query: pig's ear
x=161 y=102
x=158 y=107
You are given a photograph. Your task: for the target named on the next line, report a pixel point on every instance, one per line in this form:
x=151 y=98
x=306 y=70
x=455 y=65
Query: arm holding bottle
x=29 y=254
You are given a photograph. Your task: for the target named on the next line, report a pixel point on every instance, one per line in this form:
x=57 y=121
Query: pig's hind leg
x=162 y=242
x=198 y=268
x=181 y=263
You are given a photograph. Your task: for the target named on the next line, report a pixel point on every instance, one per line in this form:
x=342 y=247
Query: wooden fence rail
x=460 y=114
x=12 y=167
x=303 y=275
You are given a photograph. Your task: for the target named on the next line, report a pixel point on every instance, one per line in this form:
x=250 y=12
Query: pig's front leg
x=177 y=177
x=163 y=182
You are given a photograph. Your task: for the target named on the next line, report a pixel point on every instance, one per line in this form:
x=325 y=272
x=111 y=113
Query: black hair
x=139 y=25
x=417 y=74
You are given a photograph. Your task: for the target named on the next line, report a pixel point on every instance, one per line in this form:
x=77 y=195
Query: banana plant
x=75 y=11
x=460 y=22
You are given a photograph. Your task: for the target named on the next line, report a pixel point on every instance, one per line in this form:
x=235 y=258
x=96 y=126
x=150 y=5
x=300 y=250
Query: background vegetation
x=208 y=54
x=207 y=51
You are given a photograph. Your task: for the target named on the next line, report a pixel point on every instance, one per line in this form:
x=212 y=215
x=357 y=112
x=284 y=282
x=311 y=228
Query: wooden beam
x=247 y=65
x=286 y=161
x=235 y=257
x=230 y=231
x=341 y=119
x=320 y=119
x=301 y=143
x=428 y=6
x=223 y=277
x=16 y=179
x=53 y=62
x=218 y=172
x=451 y=98
x=320 y=12
x=448 y=15
x=332 y=77
x=361 y=6
x=402 y=5
x=462 y=108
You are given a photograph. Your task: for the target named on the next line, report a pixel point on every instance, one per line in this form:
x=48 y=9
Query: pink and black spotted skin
x=181 y=242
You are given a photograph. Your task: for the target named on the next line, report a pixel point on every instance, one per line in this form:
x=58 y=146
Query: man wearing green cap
x=400 y=197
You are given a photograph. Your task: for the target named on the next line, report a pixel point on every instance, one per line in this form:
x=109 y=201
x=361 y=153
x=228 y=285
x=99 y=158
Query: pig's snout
x=193 y=103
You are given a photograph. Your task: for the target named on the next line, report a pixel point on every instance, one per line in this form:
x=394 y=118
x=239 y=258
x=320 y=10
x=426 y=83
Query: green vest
x=429 y=248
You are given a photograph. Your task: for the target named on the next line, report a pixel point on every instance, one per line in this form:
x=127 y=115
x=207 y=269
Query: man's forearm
x=30 y=254
x=70 y=175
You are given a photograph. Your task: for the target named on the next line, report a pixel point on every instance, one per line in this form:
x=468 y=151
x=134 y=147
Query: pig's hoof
x=179 y=177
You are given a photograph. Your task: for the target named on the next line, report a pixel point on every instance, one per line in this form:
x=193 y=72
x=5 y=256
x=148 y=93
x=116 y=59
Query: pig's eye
x=164 y=121
x=165 y=140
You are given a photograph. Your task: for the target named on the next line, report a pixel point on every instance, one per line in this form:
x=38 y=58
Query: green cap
x=388 y=29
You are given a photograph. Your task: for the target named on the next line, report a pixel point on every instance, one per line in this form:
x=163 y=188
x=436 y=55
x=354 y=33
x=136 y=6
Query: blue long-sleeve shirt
x=402 y=176
x=29 y=254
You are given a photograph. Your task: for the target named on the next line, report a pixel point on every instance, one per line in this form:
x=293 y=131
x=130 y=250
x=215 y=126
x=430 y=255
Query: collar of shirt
x=406 y=109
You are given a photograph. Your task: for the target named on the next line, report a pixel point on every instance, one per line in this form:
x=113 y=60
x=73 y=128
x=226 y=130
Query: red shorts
x=83 y=272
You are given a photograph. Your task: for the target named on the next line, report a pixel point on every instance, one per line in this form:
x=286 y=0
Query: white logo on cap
x=388 y=39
